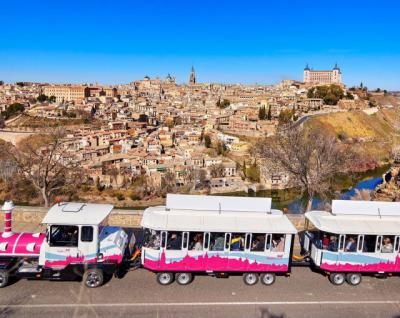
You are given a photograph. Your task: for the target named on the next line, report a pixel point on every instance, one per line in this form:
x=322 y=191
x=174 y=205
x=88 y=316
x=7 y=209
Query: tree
x=207 y=141
x=42 y=98
x=224 y=103
x=52 y=99
x=1 y=83
x=42 y=160
x=13 y=109
x=217 y=171
x=285 y=116
x=331 y=94
x=269 y=114
x=311 y=158
x=261 y=113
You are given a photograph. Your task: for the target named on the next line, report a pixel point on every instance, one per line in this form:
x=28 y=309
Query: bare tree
x=43 y=160
x=217 y=170
x=311 y=158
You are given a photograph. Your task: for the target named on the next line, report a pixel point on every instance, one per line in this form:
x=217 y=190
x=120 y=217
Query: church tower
x=192 y=78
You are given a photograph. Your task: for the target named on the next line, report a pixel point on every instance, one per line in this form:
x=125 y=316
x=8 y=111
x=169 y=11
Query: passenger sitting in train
x=350 y=245
x=174 y=243
x=236 y=243
x=154 y=241
x=325 y=241
x=198 y=245
x=278 y=245
x=333 y=245
x=218 y=244
x=387 y=245
x=258 y=244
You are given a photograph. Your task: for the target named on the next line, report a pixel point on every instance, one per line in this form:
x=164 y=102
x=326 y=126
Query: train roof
x=71 y=213
x=355 y=224
x=217 y=214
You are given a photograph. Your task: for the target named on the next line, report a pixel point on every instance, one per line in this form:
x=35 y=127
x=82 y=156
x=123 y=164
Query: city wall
x=125 y=218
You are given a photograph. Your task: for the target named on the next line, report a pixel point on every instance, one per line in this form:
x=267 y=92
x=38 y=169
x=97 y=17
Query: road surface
x=304 y=294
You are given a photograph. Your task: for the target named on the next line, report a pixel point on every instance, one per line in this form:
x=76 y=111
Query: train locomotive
x=77 y=243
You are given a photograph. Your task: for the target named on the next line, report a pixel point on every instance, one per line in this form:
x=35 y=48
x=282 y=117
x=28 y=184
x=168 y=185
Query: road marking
x=200 y=304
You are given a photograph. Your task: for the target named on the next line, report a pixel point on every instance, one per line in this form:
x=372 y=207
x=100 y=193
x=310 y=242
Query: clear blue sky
x=245 y=41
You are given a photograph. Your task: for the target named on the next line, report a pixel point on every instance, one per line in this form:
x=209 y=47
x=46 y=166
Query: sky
x=266 y=41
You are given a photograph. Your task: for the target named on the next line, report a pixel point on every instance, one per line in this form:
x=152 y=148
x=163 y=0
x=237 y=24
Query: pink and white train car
x=216 y=235
x=77 y=243
x=357 y=238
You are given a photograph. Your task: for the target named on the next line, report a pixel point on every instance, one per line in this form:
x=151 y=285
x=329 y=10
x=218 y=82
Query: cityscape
x=210 y=159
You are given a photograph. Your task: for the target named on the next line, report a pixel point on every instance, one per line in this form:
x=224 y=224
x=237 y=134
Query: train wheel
x=183 y=278
x=337 y=278
x=268 y=278
x=353 y=279
x=93 y=278
x=3 y=278
x=165 y=278
x=250 y=278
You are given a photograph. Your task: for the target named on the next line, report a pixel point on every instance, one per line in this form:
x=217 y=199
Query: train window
x=341 y=242
x=350 y=243
x=237 y=242
x=258 y=242
x=248 y=242
x=87 y=233
x=387 y=244
x=227 y=240
x=278 y=242
x=206 y=240
x=330 y=242
x=174 y=241
x=360 y=242
x=185 y=240
x=63 y=235
x=163 y=239
x=397 y=243
x=151 y=239
x=196 y=241
x=217 y=241
x=369 y=243
x=378 y=243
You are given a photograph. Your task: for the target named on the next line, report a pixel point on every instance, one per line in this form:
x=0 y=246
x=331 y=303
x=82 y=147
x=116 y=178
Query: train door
x=195 y=251
x=88 y=243
x=218 y=252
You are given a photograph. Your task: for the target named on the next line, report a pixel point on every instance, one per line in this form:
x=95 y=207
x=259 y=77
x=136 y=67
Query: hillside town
x=182 y=137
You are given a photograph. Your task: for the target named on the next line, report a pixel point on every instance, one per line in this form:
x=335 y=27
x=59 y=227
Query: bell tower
x=192 y=78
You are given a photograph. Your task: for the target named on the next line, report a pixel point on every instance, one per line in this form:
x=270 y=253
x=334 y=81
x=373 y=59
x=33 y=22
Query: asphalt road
x=304 y=294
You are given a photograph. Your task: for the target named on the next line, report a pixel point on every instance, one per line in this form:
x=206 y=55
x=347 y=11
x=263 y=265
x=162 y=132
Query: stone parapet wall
x=124 y=218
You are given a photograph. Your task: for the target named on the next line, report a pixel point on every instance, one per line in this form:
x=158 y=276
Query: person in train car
x=351 y=245
x=387 y=245
x=198 y=245
x=259 y=243
x=279 y=244
x=219 y=244
x=237 y=243
x=333 y=244
x=325 y=241
x=175 y=242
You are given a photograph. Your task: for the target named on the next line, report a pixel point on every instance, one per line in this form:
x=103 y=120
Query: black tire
x=93 y=278
x=165 y=278
x=183 y=278
x=337 y=278
x=353 y=279
x=4 y=277
x=250 y=279
x=267 y=279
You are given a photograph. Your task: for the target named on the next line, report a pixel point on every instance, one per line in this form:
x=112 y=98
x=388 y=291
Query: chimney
x=8 y=207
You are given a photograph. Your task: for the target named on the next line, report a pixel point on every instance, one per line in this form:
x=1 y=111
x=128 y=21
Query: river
x=292 y=201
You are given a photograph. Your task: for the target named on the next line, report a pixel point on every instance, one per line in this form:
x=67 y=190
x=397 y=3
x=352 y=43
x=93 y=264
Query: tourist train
x=204 y=235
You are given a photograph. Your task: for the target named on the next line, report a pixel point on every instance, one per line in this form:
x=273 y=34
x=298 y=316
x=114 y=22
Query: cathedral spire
x=192 y=78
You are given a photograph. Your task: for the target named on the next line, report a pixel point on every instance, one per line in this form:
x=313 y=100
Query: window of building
x=217 y=241
x=87 y=233
x=63 y=235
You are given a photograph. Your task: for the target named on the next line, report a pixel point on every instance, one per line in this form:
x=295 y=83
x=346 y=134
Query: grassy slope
x=372 y=135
